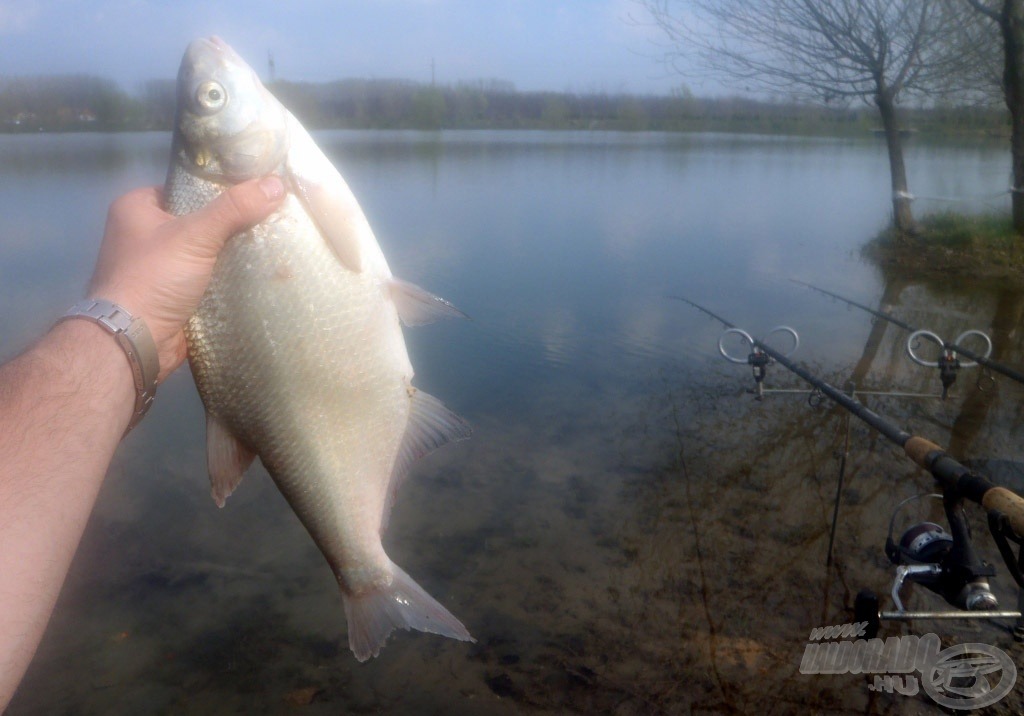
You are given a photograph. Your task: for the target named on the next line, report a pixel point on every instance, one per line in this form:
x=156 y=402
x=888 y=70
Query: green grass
x=950 y=245
x=960 y=231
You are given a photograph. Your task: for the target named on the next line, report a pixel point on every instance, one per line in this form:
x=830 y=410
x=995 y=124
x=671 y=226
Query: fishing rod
x=948 y=363
x=762 y=355
x=945 y=563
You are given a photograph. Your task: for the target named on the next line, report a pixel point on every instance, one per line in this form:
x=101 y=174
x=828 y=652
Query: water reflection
x=628 y=531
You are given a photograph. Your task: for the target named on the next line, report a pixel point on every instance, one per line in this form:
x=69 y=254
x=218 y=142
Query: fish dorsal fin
x=327 y=198
x=226 y=459
x=430 y=426
x=417 y=306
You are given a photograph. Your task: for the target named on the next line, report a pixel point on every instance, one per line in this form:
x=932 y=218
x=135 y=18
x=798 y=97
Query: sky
x=556 y=45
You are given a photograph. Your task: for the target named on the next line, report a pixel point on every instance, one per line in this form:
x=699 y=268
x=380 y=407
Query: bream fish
x=296 y=347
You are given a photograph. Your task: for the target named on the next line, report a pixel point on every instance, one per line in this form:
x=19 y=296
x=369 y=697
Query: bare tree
x=1008 y=15
x=877 y=51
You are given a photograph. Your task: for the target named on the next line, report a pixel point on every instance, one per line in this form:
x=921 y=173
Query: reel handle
x=992 y=497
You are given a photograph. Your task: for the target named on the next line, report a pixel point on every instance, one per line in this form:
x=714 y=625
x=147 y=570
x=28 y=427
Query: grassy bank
x=951 y=245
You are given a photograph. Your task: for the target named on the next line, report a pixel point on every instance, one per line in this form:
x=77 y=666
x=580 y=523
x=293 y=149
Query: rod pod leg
x=865 y=609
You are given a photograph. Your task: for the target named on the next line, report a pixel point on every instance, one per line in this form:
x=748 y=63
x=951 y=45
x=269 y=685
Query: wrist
x=132 y=337
x=79 y=358
x=166 y=332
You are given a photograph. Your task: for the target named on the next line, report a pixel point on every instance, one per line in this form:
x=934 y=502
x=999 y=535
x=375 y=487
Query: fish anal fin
x=403 y=604
x=226 y=459
x=417 y=306
x=430 y=426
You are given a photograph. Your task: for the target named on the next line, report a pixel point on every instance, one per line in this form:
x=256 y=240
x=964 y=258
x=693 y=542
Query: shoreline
x=953 y=245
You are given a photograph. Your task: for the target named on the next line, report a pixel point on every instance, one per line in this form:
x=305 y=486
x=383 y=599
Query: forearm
x=64 y=406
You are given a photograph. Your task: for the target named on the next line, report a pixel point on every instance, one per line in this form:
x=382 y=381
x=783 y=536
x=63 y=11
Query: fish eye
x=211 y=97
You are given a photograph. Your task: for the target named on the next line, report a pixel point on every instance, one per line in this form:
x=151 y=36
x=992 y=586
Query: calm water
x=627 y=532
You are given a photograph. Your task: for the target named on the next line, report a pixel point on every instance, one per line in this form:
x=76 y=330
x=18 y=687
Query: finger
x=236 y=209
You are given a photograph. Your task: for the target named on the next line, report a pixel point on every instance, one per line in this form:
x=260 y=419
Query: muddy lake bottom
x=658 y=574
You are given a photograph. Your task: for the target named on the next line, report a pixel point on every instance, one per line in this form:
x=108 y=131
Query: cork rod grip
x=917 y=449
x=1009 y=503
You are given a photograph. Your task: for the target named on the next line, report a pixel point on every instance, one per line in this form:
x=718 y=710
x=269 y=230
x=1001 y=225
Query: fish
x=297 y=348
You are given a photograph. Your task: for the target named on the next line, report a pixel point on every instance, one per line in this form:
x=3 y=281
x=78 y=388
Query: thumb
x=233 y=211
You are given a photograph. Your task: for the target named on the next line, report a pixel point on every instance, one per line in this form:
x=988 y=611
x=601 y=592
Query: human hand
x=157 y=266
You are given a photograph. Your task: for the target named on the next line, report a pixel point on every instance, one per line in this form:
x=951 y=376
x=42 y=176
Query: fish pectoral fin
x=403 y=604
x=335 y=227
x=417 y=306
x=430 y=426
x=326 y=197
x=226 y=459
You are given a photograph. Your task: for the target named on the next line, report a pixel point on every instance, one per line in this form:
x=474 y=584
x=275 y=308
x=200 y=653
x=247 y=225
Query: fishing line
x=949 y=361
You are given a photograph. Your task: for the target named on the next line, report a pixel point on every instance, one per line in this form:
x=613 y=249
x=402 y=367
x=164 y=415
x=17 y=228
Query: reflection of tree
x=946 y=313
x=890 y=296
x=983 y=393
x=726 y=538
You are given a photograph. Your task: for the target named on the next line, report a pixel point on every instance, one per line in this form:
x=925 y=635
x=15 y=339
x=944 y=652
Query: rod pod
x=949 y=473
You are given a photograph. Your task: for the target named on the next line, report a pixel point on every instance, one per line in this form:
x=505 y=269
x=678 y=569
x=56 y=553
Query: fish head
x=228 y=127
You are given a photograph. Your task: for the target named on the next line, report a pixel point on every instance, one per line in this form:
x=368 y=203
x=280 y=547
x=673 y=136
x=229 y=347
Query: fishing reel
x=948 y=363
x=757 y=359
x=943 y=562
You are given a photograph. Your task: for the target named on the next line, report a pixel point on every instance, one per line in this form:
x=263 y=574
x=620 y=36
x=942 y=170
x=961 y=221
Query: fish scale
x=237 y=340
x=296 y=346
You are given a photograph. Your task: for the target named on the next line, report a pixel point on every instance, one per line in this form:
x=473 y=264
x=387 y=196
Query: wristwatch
x=134 y=337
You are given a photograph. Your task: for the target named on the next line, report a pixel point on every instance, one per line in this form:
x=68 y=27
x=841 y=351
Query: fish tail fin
x=401 y=605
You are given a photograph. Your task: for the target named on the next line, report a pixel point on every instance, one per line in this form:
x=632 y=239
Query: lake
x=628 y=531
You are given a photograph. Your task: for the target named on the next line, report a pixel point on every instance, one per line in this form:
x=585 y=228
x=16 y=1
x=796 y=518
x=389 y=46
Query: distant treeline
x=77 y=103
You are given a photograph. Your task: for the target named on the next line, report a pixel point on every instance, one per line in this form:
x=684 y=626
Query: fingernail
x=272 y=186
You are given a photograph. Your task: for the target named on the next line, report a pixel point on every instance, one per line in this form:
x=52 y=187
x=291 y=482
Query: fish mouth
x=211 y=50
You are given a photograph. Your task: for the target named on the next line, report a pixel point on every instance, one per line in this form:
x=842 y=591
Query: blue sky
x=573 y=45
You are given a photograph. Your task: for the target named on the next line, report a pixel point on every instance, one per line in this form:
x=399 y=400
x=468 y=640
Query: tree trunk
x=902 y=216
x=1012 y=25
x=976 y=406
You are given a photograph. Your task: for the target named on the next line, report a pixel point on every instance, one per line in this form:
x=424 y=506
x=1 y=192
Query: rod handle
x=1009 y=503
x=918 y=449
x=992 y=498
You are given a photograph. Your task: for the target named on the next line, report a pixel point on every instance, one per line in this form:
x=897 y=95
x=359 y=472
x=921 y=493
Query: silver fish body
x=296 y=347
